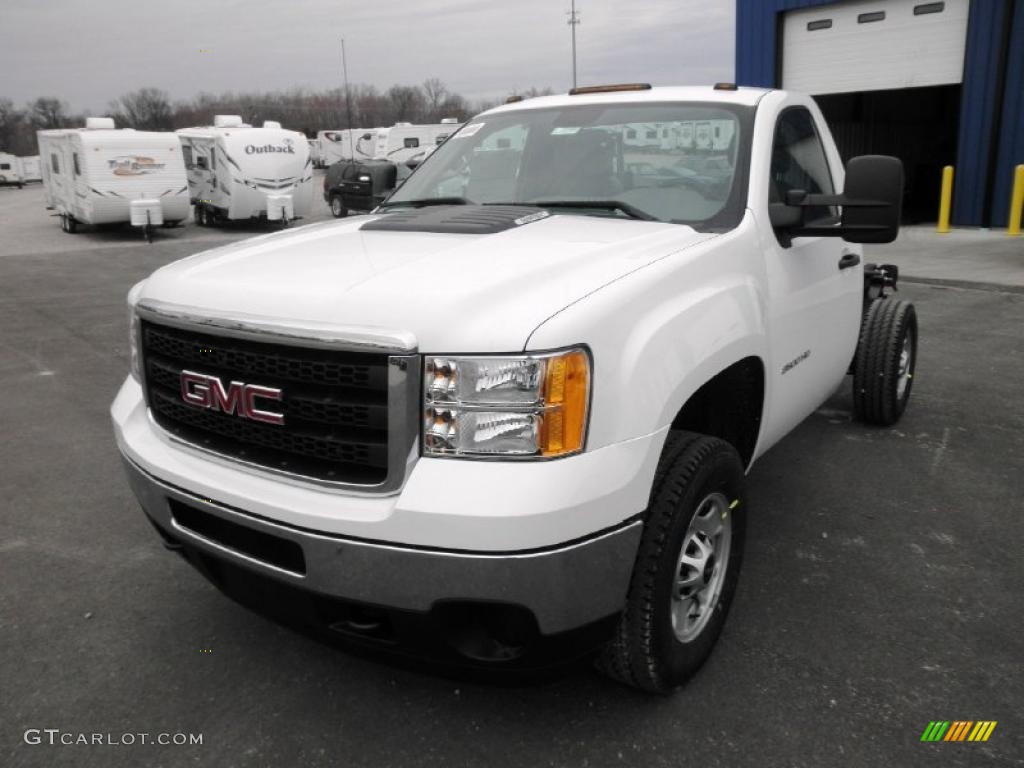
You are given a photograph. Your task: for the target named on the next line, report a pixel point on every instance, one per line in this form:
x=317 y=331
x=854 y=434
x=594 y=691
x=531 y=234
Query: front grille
x=334 y=404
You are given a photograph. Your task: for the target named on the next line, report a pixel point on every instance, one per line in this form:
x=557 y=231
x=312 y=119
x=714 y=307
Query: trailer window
x=5 y=166
x=74 y=162
x=440 y=139
x=186 y=153
x=412 y=143
x=201 y=163
x=54 y=163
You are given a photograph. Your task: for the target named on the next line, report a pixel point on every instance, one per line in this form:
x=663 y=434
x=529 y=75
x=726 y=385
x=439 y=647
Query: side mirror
x=873 y=178
x=872 y=203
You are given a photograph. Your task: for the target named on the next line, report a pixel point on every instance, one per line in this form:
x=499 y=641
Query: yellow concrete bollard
x=1016 y=202
x=945 y=198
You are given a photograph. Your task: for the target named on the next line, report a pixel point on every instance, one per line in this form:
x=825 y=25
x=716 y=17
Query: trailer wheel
x=886 y=358
x=68 y=223
x=202 y=216
x=338 y=209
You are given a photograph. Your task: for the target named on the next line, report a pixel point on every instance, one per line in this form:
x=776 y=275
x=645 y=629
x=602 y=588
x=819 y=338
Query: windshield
x=681 y=163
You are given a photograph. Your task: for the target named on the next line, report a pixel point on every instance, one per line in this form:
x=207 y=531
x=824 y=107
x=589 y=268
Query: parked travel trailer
x=101 y=175
x=404 y=140
x=336 y=146
x=30 y=168
x=237 y=172
x=10 y=170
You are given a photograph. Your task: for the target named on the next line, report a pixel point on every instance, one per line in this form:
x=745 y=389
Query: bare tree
x=434 y=92
x=48 y=112
x=147 y=109
x=12 y=122
x=406 y=102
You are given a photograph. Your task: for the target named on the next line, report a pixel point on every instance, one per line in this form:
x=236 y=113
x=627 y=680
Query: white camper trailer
x=101 y=175
x=10 y=170
x=237 y=172
x=404 y=140
x=30 y=169
x=336 y=146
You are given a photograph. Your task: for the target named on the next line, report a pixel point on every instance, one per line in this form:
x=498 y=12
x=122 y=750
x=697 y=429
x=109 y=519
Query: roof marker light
x=609 y=88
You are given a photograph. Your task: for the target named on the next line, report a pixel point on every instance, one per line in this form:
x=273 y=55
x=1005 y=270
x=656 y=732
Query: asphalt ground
x=881 y=588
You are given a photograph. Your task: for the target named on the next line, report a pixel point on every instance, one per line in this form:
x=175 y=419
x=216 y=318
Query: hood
x=454 y=292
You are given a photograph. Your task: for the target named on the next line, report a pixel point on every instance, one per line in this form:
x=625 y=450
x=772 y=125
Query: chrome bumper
x=565 y=586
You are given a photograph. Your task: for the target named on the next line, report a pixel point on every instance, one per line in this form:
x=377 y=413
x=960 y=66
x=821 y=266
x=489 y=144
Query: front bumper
x=564 y=587
x=545 y=548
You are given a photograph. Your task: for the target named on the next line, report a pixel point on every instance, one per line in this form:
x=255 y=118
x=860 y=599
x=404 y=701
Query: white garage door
x=871 y=46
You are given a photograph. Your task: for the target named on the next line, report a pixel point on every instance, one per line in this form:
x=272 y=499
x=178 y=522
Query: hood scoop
x=458 y=219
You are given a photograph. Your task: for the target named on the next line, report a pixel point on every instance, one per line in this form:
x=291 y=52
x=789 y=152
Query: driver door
x=815 y=283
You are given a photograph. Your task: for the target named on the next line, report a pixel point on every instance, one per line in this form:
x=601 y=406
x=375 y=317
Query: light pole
x=348 y=101
x=574 y=20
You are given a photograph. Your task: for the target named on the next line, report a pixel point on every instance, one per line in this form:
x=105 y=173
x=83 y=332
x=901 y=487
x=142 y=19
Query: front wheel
x=883 y=372
x=687 y=566
x=338 y=209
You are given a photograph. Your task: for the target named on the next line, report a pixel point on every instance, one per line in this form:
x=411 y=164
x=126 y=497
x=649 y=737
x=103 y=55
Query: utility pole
x=574 y=20
x=348 y=101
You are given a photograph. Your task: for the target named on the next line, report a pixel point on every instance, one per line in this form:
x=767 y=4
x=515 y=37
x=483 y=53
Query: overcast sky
x=88 y=52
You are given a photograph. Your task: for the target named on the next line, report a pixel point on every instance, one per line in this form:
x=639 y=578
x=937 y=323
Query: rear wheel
x=687 y=566
x=338 y=209
x=883 y=373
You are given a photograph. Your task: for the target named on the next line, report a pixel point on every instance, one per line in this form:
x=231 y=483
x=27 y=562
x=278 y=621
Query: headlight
x=513 y=406
x=135 y=359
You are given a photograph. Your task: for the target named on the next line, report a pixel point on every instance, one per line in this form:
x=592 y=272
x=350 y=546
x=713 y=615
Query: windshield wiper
x=601 y=205
x=427 y=201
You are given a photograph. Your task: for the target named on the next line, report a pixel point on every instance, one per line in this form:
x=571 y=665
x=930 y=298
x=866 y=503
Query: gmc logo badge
x=238 y=399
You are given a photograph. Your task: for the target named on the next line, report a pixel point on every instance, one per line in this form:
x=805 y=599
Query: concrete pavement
x=961 y=256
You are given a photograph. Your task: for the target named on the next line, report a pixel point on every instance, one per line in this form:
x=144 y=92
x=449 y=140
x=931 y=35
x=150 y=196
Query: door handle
x=849 y=260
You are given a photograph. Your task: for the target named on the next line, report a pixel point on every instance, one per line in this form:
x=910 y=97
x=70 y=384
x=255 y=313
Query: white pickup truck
x=507 y=416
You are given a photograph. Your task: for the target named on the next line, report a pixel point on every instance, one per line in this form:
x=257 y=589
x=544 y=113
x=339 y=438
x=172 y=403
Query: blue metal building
x=935 y=83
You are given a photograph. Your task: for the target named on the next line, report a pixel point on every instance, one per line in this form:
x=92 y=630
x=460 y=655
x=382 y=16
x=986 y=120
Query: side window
x=201 y=163
x=798 y=162
x=5 y=166
x=74 y=161
x=441 y=137
x=186 y=153
x=412 y=143
x=54 y=162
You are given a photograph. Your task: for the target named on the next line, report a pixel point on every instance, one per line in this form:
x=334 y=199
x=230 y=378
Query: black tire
x=338 y=209
x=199 y=214
x=71 y=224
x=646 y=652
x=882 y=378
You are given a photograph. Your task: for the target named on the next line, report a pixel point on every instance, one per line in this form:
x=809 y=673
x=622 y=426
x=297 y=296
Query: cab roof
x=689 y=93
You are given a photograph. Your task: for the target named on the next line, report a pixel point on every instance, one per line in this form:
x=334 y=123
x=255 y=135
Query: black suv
x=359 y=186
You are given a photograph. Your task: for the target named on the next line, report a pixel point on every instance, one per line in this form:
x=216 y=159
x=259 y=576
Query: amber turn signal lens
x=566 y=396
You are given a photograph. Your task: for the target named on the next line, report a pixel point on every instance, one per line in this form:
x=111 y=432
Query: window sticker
x=470 y=130
x=565 y=130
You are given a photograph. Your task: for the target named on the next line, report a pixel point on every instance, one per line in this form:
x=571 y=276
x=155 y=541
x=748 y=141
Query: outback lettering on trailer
x=239 y=398
x=286 y=146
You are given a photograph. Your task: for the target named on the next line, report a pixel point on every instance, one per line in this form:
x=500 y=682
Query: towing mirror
x=872 y=203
